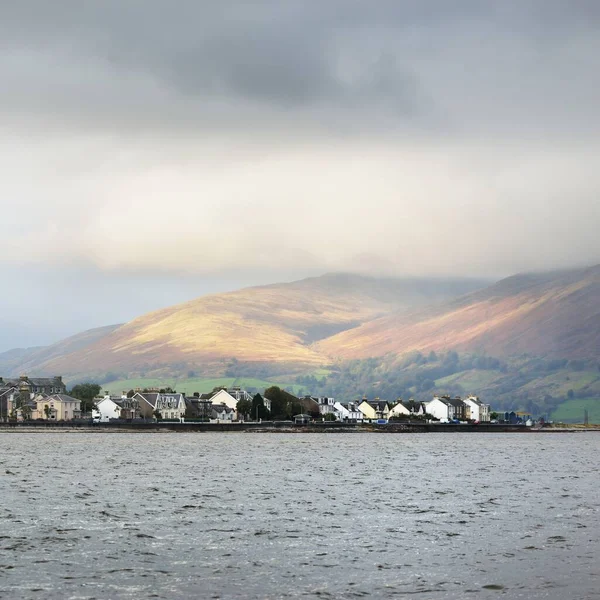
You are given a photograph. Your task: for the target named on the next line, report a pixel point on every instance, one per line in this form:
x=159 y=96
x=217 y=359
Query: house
x=477 y=410
x=439 y=408
x=147 y=403
x=222 y=413
x=130 y=407
x=168 y=405
x=57 y=407
x=17 y=395
x=115 y=407
x=17 y=400
x=309 y=405
x=7 y=393
x=231 y=397
x=399 y=409
x=106 y=409
x=447 y=409
x=197 y=407
x=348 y=412
x=459 y=408
x=374 y=409
x=302 y=419
x=36 y=385
x=324 y=404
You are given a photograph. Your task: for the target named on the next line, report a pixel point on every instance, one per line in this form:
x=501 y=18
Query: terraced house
x=36 y=385
x=169 y=405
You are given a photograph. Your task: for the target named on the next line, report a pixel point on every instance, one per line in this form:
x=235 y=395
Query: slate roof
x=36 y=381
x=61 y=398
x=456 y=402
x=378 y=405
x=475 y=400
x=150 y=397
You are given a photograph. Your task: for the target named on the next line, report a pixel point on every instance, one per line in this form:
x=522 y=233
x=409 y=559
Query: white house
x=347 y=411
x=478 y=410
x=326 y=405
x=106 y=409
x=170 y=406
x=223 y=396
x=440 y=409
x=446 y=409
x=399 y=409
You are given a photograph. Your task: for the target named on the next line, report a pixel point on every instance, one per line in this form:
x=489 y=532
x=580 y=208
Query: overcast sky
x=154 y=150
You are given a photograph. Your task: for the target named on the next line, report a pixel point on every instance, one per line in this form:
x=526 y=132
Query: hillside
x=274 y=326
x=553 y=314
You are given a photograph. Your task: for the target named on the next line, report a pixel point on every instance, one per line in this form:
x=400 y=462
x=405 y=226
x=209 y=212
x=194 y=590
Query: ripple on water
x=261 y=515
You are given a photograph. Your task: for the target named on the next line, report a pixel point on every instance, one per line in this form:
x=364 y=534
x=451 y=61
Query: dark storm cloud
x=377 y=62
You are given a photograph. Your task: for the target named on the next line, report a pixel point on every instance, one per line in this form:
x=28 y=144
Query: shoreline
x=284 y=428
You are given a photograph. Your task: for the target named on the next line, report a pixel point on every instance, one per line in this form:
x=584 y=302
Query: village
x=46 y=399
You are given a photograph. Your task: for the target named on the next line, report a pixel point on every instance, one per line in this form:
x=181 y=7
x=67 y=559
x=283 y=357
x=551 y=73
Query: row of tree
x=283 y=405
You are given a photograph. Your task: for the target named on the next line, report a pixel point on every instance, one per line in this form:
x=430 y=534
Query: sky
x=154 y=151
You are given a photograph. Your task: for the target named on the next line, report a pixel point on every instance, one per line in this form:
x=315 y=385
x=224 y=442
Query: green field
x=470 y=381
x=189 y=386
x=559 y=383
x=572 y=411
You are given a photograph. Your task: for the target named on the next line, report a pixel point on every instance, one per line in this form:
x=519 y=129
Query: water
x=245 y=515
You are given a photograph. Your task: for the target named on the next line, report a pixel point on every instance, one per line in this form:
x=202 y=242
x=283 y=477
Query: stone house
x=57 y=407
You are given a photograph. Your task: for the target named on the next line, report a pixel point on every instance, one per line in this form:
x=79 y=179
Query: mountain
x=555 y=314
x=276 y=325
x=31 y=360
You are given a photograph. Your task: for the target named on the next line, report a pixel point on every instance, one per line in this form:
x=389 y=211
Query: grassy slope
x=572 y=411
x=191 y=385
x=470 y=380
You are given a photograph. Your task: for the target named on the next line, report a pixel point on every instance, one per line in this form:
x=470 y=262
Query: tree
x=26 y=412
x=330 y=417
x=131 y=393
x=281 y=402
x=157 y=415
x=86 y=392
x=278 y=402
x=47 y=411
x=258 y=408
x=244 y=407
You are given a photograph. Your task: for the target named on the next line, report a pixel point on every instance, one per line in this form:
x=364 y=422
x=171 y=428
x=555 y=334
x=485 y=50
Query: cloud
x=193 y=137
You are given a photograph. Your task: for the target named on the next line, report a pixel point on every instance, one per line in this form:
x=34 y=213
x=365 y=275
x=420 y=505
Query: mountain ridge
x=276 y=323
x=301 y=325
x=548 y=314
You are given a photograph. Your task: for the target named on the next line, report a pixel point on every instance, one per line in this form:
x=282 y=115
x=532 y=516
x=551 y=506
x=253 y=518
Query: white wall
x=436 y=408
x=105 y=410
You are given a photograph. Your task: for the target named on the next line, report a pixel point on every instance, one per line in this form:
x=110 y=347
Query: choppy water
x=169 y=515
